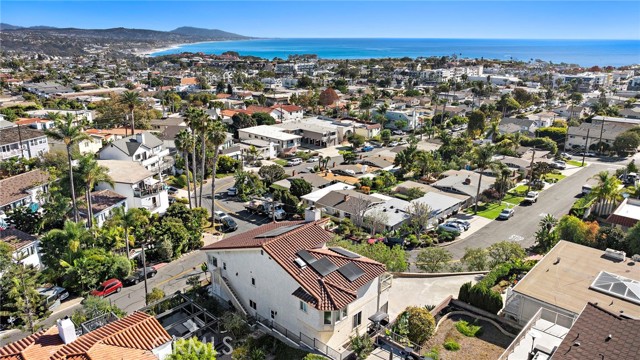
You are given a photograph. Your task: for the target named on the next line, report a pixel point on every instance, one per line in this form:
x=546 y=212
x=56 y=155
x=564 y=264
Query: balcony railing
x=149 y=190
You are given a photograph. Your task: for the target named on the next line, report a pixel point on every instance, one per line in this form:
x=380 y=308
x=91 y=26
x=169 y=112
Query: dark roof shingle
x=14 y=188
x=598 y=333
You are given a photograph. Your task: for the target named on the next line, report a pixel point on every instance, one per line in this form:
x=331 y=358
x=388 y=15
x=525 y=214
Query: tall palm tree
x=184 y=143
x=92 y=174
x=482 y=159
x=70 y=134
x=217 y=136
x=204 y=125
x=194 y=120
x=131 y=99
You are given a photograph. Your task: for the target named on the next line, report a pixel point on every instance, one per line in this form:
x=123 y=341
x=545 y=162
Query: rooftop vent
x=615 y=254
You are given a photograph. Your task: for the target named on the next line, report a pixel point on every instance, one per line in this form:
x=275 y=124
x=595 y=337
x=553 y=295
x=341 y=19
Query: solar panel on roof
x=323 y=266
x=351 y=271
x=304 y=255
x=278 y=231
x=344 y=252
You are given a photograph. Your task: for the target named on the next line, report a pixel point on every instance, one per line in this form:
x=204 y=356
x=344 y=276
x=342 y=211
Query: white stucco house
x=25 y=246
x=143 y=148
x=284 y=274
x=137 y=184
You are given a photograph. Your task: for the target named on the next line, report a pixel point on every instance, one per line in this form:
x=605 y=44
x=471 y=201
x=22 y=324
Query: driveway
x=424 y=291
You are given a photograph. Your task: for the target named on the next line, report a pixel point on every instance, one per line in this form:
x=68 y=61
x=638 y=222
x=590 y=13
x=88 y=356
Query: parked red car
x=107 y=288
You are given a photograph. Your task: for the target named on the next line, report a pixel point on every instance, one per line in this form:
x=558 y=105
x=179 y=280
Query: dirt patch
x=488 y=346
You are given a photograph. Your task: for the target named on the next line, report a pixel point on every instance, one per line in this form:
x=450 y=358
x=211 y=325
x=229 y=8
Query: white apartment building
x=284 y=274
x=281 y=140
x=137 y=184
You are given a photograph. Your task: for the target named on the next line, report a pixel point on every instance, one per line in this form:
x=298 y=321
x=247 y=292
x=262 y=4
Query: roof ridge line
x=333 y=303
x=339 y=287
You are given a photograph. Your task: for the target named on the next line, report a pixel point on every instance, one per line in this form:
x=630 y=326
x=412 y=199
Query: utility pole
x=586 y=143
x=601 y=130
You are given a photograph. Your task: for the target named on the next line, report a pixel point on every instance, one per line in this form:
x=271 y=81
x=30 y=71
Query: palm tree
x=184 y=143
x=548 y=222
x=493 y=130
x=482 y=159
x=136 y=217
x=131 y=99
x=92 y=174
x=607 y=192
x=193 y=120
x=204 y=125
x=217 y=136
x=70 y=134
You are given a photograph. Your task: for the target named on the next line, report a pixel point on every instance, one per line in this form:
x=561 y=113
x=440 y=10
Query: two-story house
x=25 y=246
x=137 y=184
x=20 y=141
x=23 y=190
x=103 y=205
x=143 y=148
x=284 y=274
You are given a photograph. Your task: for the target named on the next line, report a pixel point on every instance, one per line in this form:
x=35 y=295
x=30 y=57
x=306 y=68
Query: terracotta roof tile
x=14 y=188
x=329 y=292
x=600 y=334
x=132 y=338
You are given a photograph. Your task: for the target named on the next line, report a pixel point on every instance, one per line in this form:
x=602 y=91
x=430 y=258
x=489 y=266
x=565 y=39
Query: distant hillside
x=71 y=41
x=200 y=32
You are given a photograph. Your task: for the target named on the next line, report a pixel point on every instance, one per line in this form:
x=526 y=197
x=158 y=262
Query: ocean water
x=582 y=52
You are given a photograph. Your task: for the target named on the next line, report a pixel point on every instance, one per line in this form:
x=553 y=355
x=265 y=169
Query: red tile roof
x=287 y=108
x=329 y=292
x=132 y=338
x=598 y=333
x=621 y=220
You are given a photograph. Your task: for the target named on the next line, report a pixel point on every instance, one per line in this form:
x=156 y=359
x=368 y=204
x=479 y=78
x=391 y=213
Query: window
x=340 y=315
x=327 y=317
x=303 y=306
x=357 y=319
x=253 y=281
x=273 y=314
x=213 y=260
x=224 y=265
x=252 y=304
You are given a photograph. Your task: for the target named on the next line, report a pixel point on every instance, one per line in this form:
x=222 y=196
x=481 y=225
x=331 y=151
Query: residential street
x=556 y=200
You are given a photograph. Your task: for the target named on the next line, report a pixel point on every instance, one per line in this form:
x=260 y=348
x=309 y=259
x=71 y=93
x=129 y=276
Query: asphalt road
x=556 y=200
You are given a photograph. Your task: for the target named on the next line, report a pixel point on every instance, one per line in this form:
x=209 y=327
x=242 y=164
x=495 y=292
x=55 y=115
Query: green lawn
x=280 y=162
x=557 y=177
x=520 y=189
x=574 y=163
x=489 y=211
x=513 y=199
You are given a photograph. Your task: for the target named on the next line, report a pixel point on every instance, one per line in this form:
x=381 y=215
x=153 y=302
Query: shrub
x=421 y=324
x=155 y=295
x=467 y=329
x=451 y=345
x=465 y=289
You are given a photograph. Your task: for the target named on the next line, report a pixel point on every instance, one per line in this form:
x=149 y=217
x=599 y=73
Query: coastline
x=583 y=53
x=149 y=52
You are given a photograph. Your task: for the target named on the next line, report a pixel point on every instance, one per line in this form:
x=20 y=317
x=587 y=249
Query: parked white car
x=294 y=162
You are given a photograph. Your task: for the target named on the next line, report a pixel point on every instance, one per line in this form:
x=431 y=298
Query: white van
x=294 y=162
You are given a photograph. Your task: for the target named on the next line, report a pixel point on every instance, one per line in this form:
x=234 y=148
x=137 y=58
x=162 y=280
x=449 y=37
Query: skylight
x=618 y=286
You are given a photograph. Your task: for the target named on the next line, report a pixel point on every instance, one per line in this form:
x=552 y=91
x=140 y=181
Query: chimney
x=66 y=330
x=312 y=214
x=140 y=138
x=346 y=197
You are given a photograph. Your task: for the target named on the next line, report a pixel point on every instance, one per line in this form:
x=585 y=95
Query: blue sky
x=413 y=19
